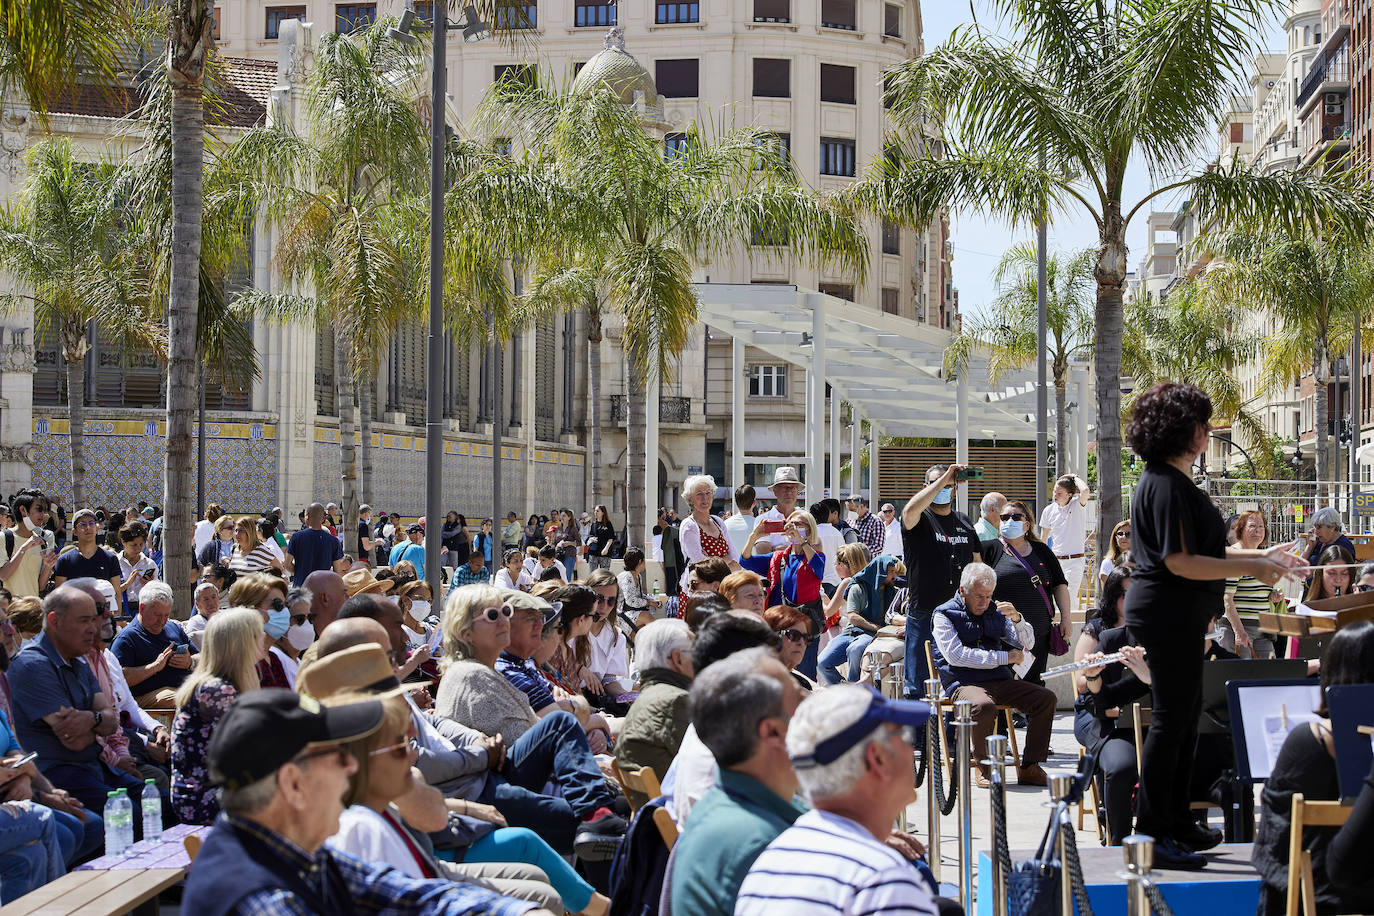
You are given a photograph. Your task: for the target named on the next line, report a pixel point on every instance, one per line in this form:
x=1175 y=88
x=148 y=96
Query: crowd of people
x=355 y=742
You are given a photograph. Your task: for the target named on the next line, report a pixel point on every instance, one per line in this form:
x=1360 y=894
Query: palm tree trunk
x=190 y=41
x=1061 y=458
x=1110 y=273
x=348 y=452
x=365 y=427
x=76 y=414
x=634 y=457
x=594 y=394
x=1320 y=391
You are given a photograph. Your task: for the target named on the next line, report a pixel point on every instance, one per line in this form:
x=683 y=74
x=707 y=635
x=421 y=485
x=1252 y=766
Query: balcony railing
x=1334 y=68
x=670 y=410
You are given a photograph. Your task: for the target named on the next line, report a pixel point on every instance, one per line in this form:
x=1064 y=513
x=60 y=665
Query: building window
x=838 y=290
x=520 y=74
x=768 y=381
x=837 y=157
x=594 y=12
x=216 y=17
x=837 y=84
x=677 y=12
x=513 y=14
x=838 y=14
x=772 y=78
x=424 y=10
x=349 y=17
x=772 y=10
x=892 y=20
x=675 y=146
x=677 y=79
x=890 y=300
x=761 y=236
x=781 y=144
x=501 y=146
x=892 y=238
x=276 y=15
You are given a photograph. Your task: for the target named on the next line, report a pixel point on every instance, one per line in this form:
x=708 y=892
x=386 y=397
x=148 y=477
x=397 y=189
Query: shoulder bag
x=1058 y=645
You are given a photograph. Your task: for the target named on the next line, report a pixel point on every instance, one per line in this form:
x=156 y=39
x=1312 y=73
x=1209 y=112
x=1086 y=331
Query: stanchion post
x=892 y=677
x=1060 y=786
x=997 y=764
x=963 y=734
x=933 y=724
x=1139 y=852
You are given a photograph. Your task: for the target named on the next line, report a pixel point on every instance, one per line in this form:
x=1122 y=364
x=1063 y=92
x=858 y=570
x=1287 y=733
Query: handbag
x=1058 y=645
x=1033 y=886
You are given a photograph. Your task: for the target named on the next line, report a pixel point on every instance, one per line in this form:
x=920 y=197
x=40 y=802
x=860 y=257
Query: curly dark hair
x=1165 y=419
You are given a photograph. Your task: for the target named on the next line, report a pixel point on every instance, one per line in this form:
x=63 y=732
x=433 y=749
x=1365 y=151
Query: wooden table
x=112 y=885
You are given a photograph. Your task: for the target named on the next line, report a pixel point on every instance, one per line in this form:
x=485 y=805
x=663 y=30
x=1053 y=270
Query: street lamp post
x=473 y=30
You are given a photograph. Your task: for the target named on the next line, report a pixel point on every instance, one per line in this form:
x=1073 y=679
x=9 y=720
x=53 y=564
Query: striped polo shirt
x=828 y=865
x=1251 y=596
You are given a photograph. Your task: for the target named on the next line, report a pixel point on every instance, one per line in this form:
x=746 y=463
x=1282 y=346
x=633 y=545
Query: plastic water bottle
x=152 y=811
x=126 y=818
x=116 y=841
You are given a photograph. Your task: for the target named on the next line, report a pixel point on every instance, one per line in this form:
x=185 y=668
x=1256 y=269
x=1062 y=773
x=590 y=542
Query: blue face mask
x=1012 y=529
x=943 y=497
x=278 y=622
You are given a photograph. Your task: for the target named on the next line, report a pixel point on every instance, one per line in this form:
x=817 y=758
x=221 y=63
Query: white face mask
x=301 y=636
x=419 y=609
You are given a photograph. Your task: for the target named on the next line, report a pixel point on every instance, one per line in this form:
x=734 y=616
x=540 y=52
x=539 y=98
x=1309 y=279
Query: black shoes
x=1169 y=853
x=598 y=840
x=1199 y=838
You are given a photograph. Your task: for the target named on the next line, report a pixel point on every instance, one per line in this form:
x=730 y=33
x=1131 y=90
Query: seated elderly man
x=740 y=708
x=658 y=718
x=531 y=615
x=154 y=650
x=853 y=754
x=283 y=774
x=975 y=647
x=206 y=598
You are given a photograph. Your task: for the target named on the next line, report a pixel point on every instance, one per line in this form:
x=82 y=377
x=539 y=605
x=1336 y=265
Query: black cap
x=264 y=729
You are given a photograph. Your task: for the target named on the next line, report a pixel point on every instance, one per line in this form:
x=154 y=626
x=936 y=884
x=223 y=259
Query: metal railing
x=670 y=410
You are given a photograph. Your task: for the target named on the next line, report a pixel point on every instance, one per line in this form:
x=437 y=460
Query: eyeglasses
x=492 y=614
x=336 y=750
x=907 y=734
x=1361 y=587
x=609 y=601
x=796 y=636
x=1013 y=516
x=889 y=511
x=86 y=523
x=398 y=750
x=277 y=604
x=1123 y=534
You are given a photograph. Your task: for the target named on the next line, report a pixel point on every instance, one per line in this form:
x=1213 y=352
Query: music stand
x=1351 y=706
x=1256 y=708
x=1216 y=713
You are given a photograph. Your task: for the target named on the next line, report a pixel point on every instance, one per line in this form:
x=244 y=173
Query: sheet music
x=1306 y=611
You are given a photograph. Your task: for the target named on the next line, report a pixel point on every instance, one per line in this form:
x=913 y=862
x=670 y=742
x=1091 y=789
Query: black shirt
x=936 y=551
x=1014 y=583
x=1169 y=515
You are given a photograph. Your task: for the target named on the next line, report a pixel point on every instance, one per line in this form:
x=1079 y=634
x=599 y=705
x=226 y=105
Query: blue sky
x=978 y=243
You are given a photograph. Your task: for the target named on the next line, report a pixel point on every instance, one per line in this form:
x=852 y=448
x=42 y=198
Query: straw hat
x=787 y=475
x=358 y=581
x=357 y=669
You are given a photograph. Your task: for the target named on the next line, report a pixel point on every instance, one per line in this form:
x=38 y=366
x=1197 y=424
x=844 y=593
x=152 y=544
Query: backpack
x=639 y=866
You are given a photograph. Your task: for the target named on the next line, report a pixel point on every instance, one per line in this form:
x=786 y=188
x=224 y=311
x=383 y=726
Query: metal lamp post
x=473 y=30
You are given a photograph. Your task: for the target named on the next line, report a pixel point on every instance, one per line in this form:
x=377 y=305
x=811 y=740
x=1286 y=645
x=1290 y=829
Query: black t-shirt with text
x=1169 y=515
x=936 y=551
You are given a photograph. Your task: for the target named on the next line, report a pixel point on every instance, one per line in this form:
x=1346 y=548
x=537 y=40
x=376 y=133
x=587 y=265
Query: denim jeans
x=919 y=629
x=848 y=647
x=80 y=840
x=556 y=749
x=30 y=854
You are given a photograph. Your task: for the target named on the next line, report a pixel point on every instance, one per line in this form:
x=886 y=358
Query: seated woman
x=889 y=643
x=1307 y=764
x=267 y=593
x=1331 y=579
x=391 y=810
x=866 y=601
x=849 y=561
x=636 y=606
x=610 y=651
x=745 y=590
x=657 y=720
x=793 y=626
x=234 y=644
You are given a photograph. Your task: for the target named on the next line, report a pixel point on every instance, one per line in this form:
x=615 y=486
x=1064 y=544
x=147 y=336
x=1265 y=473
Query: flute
x=1104 y=660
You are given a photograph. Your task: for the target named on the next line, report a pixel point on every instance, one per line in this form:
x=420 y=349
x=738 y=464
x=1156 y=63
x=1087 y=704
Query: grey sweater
x=479 y=697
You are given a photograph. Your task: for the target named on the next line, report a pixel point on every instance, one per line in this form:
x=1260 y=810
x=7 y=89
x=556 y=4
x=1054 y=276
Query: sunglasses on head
x=796 y=636
x=492 y=614
x=1013 y=516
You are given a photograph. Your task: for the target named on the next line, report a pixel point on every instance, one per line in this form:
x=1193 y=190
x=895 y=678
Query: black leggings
x=1174 y=654
x=1116 y=762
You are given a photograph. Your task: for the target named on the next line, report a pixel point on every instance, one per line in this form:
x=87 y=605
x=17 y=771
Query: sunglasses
x=1013 y=516
x=277 y=605
x=402 y=749
x=298 y=619
x=1123 y=534
x=1364 y=588
x=603 y=599
x=493 y=614
x=796 y=636
x=888 y=511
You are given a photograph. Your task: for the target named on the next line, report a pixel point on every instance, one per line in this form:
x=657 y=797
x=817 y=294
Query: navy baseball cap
x=880 y=710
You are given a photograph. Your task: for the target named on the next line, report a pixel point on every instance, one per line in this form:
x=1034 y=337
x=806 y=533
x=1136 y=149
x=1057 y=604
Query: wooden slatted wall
x=1007 y=469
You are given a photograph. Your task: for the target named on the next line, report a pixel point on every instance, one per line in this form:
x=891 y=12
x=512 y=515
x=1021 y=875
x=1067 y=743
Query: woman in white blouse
x=701 y=533
x=512 y=573
x=610 y=659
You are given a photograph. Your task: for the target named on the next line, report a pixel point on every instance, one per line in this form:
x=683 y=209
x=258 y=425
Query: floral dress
x=194 y=797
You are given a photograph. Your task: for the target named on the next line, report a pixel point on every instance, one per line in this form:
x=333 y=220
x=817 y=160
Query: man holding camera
x=938 y=541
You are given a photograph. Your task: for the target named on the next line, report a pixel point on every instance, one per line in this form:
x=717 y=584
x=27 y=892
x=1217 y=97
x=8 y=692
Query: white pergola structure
x=888 y=368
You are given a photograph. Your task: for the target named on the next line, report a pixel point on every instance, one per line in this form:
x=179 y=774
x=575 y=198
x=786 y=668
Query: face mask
x=944 y=497
x=802 y=532
x=1012 y=529
x=419 y=609
x=300 y=637
x=278 y=622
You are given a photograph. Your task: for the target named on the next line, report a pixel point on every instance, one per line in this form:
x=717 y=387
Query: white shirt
x=831 y=542
x=689 y=535
x=123 y=700
x=288 y=665
x=126 y=568
x=205 y=533
x=366 y=834
x=828 y=865
x=690 y=776
x=737 y=528
x=523 y=582
x=1067 y=525
x=892 y=539
x=775 y=541
x=610 y=658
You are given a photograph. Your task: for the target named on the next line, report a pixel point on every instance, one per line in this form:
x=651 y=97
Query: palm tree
x=1049 y=120
x=64 y=240
x=1197 y=333
x=1008 y=330
x=46 y=44
x=1315 y=286
x=333 y=194
x=647 y=220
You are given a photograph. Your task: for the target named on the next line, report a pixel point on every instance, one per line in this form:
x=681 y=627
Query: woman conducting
x=1182 y=563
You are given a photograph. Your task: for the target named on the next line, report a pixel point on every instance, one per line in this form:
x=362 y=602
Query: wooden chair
x=948 y=703
x=192 y=843
x=1092 y=803
x=1140 y=720
x=163 y=714
x=645 y=781
x=1301 y=888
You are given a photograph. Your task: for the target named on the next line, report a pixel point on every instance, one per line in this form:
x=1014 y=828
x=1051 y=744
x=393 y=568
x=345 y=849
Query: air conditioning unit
x=1333 y=108
x=1334 y=98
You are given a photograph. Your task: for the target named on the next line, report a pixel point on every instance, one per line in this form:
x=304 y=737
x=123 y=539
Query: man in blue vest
x=975 y=647
x=279 y=760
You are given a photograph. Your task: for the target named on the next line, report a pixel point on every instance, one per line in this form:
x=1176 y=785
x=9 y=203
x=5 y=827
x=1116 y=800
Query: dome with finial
x=618 y=70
